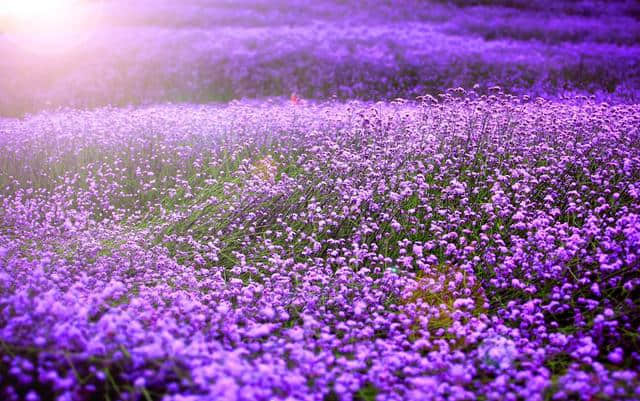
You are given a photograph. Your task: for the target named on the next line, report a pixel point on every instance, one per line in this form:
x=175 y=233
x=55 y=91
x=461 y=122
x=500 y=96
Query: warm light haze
x=47 y=26
x=36 y=10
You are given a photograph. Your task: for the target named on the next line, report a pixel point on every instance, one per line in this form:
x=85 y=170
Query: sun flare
x=48 y=25
x=36 y=9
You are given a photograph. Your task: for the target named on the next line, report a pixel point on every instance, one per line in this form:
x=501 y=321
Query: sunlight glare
x=48 y=26
x=35 y=10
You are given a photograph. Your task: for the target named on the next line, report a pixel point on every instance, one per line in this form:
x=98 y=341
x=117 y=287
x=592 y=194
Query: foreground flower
x=446 y=251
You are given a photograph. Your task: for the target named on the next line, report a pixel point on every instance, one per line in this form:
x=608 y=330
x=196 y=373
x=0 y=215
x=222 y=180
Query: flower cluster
x=457 y=248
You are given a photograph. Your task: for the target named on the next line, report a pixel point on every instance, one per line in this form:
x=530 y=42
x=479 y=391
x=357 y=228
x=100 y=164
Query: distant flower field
x=152 y=51
x=453 y=249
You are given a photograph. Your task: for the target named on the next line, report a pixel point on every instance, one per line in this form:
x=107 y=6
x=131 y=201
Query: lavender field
x=332 y=200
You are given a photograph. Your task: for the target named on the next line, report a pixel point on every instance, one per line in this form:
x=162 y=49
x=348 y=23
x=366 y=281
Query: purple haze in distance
x=201 y=51
x=321 y=239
